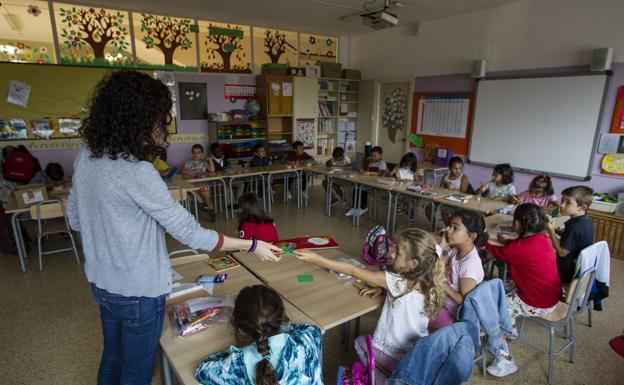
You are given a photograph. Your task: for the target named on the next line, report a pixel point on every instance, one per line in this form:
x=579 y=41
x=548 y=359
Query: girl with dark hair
x=253 y=221
x=272 y=351
x=460 y=243
x=501 y=186
x=455 y=179
x=540 y=193
x=122 y=208
x=407 y=168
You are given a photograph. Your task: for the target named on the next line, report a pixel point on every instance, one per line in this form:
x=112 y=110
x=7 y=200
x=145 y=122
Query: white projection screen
x=545 y=124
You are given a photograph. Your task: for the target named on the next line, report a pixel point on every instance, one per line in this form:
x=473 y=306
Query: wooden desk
x=419 y=196
x=182 y=355
x=270 y=272
x=484 y=205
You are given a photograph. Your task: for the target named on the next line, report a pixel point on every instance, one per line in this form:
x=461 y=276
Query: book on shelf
x=325 y=146
x=326 y=126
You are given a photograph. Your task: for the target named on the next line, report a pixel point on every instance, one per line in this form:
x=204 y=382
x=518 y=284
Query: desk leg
x=270 y=196
x=225 y=198
x=165 y=370
x=346 y=333
x=232 y=198
x=19 y=242
x=300 y=177
x=389 y=226
x=434 y=215
x=328 y=194
x=356 y=216
x=264 y=192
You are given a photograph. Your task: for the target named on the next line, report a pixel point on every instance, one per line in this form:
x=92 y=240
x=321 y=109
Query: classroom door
x=393 y=118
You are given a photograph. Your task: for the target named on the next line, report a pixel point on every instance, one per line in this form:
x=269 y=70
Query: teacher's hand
x=267 y=252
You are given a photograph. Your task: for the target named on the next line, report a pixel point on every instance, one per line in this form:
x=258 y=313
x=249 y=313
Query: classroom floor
x=50 y=329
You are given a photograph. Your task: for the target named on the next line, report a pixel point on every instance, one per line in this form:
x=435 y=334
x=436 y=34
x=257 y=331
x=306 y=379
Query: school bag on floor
x=358 y=374
x=376 y=248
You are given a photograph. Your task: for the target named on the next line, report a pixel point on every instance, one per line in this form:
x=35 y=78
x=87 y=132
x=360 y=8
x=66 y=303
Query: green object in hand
x=303 y=278
x=288 y=251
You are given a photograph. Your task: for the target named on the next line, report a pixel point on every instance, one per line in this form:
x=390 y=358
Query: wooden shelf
x=240 y=140
x=349 y=92
x=280 y=116
x=340 y=79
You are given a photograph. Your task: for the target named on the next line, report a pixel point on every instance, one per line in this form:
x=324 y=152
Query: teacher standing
x=122 y=208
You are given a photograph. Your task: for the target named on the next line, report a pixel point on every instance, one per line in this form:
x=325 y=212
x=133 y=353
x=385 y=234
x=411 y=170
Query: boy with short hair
x=376 y=166
x=260 y=158
x=195 y=166
x=578 y=233
x=338 y=160
x=298 y=157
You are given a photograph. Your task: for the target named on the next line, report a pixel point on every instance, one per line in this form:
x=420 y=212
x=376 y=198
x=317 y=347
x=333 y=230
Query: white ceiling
x=315 y=16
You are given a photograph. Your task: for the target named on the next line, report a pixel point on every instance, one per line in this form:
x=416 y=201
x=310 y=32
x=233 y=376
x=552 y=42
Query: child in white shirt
x=407 y=168
x=501 y=186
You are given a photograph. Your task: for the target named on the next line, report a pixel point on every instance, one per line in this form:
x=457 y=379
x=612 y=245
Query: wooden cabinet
x=275 y=94
x=610 y=228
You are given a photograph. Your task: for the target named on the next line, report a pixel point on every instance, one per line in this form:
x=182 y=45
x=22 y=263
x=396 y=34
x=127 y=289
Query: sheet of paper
x=276 y=88
x=288 y=89
x=18 y=93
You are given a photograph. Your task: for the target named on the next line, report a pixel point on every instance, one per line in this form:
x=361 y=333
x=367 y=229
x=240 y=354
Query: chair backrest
x=579 y=291
x=47 y=210
x=176 y=193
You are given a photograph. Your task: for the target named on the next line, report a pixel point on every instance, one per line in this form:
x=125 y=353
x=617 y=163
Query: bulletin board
x=617 y=124
x=448 y=121
x=56 y=92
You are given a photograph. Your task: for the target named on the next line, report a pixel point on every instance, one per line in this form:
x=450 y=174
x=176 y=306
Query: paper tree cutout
x=395 y=108
x=167 y=34
x=92 y=27
x=275 y=44
x=225 y=43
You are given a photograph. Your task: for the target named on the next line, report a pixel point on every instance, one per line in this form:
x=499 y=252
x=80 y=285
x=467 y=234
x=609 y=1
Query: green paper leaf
x=304 y=278
x=416 y=140
x=194 y=28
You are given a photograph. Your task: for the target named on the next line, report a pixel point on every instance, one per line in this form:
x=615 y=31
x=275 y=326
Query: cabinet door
x=280 y=97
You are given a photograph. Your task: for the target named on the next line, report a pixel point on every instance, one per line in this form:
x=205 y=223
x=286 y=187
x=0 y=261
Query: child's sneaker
x=288 y=195
x=360 y=212
x=350 y=212
x=502 y=366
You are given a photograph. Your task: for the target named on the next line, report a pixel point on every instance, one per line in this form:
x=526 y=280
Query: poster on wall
x=193 y=101
x=304 y=131
x=313 y=48
x=26 y=32
x=224 y=47
x=165 y=42
x=394 y=115
x=274 y=46
x=93 y=36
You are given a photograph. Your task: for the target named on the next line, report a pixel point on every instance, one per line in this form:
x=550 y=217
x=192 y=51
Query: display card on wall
x=224 y=47
x=313 y=48
x=274 y=46
x=93 y=36
x=193 y=101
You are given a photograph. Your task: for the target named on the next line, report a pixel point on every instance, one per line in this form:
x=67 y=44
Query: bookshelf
x=337 y=115
x=237 y=138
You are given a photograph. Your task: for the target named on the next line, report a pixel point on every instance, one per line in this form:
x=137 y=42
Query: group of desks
x=325 y=302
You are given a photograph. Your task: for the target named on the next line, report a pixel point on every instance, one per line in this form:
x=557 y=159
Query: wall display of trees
x=165 y=42
x=26 y=32
x=274 y=46
x=224 y=47
x=313 y=48
x=93 y=36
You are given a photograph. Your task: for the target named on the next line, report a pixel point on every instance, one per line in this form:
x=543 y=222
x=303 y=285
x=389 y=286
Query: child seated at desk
x=501 y=186
x=579 y=230
x=456 y=179
x=196 y=166
x=269 y=350
x=465 y=233
x=415 y=282
x=341 y=161
x=407 y=169
x=160 y=164
x=532 y=267
x=298 y=157
x=540 y=193
x=254 y=222
x=260 y=158
x=377 y=167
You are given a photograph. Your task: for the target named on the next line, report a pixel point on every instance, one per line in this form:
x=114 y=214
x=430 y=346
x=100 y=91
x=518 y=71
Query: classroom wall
x=519 y=35
x=177 y=153
x=463 y=82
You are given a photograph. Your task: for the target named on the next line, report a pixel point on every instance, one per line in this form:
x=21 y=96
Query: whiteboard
x=546 y=124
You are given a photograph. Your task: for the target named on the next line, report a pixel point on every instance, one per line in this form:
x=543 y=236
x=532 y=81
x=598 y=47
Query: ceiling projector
x=379 y=19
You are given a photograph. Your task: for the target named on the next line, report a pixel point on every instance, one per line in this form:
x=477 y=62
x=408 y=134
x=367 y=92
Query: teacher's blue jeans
x=131 y=327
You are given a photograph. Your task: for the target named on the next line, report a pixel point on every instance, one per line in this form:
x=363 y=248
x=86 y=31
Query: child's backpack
x=358 y=374
x=375 y=249
x=18 y=166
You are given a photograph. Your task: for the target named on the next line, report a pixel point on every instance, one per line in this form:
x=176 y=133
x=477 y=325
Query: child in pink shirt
x=540 y=193
x=464 y=235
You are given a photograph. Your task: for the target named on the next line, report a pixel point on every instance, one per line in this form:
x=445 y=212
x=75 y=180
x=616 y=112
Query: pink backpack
x=358 y=374
x=375 y=250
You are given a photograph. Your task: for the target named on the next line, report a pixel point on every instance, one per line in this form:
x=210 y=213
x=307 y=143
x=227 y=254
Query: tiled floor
x=50 y=332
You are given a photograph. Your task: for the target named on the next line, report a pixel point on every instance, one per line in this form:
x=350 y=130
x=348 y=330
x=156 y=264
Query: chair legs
x=551 y=353
x=589 y=313
x=71 y=238
x=40 y=251
x=39 y=236
x=572 y=338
